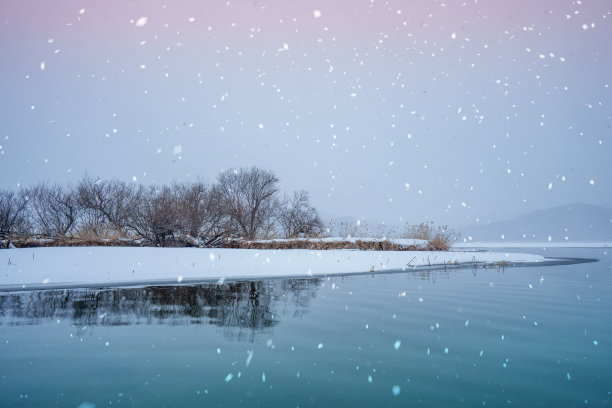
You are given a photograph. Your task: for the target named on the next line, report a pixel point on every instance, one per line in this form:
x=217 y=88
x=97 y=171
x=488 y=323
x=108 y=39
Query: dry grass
x=95 y=232
x=438 y=244
x=74 y=242
x=91 y=240
x=85 y=236
x=439 y=238
x=381 y=245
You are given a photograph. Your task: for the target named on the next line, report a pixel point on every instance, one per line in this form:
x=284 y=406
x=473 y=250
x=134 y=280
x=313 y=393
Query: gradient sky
x=458 y=112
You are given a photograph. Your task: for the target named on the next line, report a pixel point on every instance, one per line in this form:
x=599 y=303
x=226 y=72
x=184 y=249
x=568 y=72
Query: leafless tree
x=53 y=210
x=248 y=196
x=107 y=203
x=12 y=214
x=200 y=213
x=297 y=217
x=270 y=228
x=242 y=203
x=154 y=217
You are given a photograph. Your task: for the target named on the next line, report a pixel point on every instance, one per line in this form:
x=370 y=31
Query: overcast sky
x=452 y=111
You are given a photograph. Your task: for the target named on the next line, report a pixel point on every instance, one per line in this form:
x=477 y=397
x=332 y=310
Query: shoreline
x=376 y=244
x=63 y=267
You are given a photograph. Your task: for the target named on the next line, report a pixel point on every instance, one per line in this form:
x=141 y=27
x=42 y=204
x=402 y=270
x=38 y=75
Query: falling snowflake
x=141 y=22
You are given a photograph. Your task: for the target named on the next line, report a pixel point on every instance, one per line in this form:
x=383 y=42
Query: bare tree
x=297 y=217
x=12 y=214
x=242 y=203
x=53 y=210
x=200 y=213
x=248 y=195
x=107 y=203
x=154 y=216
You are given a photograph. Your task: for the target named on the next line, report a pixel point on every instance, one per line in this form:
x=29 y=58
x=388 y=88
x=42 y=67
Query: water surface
x=524 y=336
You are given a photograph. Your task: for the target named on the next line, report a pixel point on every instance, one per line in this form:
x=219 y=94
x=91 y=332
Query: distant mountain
x=577 y=222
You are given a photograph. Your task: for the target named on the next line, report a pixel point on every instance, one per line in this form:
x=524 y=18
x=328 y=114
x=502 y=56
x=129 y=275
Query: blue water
x=522 y=336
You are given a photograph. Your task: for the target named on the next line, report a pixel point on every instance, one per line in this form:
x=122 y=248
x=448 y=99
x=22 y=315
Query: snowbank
x=30 y=268
x=473 y=245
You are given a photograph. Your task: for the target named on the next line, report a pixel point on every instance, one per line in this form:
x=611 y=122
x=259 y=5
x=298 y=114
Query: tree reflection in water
x=240 y=309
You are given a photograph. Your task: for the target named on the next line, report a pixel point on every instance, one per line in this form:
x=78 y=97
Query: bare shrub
x=13 y=218
x=200 y=212
x=423 y=230
x=53 y=210
x=297 y=217
x=107 y=203
x=154 y=218
x=438 y=243
x=438 y=237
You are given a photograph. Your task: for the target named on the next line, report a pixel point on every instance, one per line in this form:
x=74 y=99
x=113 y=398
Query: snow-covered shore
x=473 y=245
x=35 y=268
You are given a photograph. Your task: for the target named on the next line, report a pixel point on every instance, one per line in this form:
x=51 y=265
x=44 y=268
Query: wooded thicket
x=241 y=204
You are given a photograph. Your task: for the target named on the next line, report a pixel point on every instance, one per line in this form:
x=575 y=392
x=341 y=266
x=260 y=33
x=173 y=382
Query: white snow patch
x=533 y=244
x=76 y=266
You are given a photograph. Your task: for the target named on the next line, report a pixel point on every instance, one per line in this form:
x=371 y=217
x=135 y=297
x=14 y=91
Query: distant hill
x=577 y=222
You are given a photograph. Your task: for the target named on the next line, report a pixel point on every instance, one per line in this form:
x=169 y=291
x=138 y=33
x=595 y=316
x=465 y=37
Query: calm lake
x=523 y=336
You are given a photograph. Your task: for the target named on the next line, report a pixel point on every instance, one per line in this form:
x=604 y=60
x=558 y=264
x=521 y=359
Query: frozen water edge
x=63 y=267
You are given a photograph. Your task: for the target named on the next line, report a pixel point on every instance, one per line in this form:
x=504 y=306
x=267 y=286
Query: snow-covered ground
x=465 y=245
x=91 y=266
